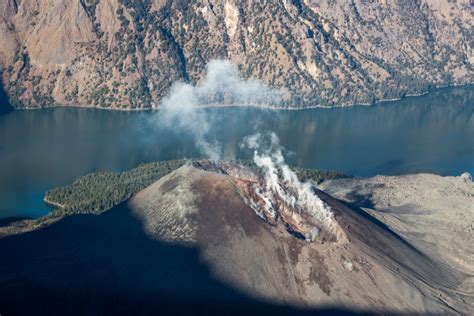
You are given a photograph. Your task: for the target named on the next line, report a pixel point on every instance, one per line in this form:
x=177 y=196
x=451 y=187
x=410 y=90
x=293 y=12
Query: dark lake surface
x=45 y=148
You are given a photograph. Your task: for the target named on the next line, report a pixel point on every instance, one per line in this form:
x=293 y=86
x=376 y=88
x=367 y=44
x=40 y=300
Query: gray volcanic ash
x=212 y=206
x=195 y=234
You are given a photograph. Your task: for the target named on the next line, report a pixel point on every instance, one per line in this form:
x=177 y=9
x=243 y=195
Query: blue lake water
x=45 y=148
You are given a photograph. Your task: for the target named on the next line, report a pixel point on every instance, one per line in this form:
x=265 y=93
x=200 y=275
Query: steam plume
x=183 y=108
x=280 y=180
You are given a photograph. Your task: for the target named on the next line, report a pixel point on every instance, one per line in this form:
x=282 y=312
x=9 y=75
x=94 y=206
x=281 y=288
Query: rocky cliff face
x=127 y=53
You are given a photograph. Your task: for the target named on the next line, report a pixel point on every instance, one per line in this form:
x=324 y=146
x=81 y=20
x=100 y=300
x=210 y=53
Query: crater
x=303 y=214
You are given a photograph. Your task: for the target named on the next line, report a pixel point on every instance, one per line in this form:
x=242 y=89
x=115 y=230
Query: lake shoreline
x=41 y=150
x=52 y=203
x=256 y=106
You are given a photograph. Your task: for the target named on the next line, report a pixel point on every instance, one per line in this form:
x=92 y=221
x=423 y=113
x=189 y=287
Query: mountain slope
x=192 y=237
x=371 y=268
x=127 y=53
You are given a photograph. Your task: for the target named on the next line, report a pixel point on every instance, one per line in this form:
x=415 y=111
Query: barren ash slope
x=360 y=263
x=216 y=237
x=434 y=213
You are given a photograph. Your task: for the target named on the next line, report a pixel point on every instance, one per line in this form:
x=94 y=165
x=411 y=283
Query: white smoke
x=279 y=179
x=182 y=109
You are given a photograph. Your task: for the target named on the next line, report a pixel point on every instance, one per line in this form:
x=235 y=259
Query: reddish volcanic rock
x=274 y=210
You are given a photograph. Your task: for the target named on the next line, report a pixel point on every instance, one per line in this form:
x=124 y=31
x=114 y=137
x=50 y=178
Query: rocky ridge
x=126 y=54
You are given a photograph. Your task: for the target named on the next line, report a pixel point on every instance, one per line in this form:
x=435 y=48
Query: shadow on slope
x=106 y=264
x=5 y=221
x=397 y=254
x=5 y=105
